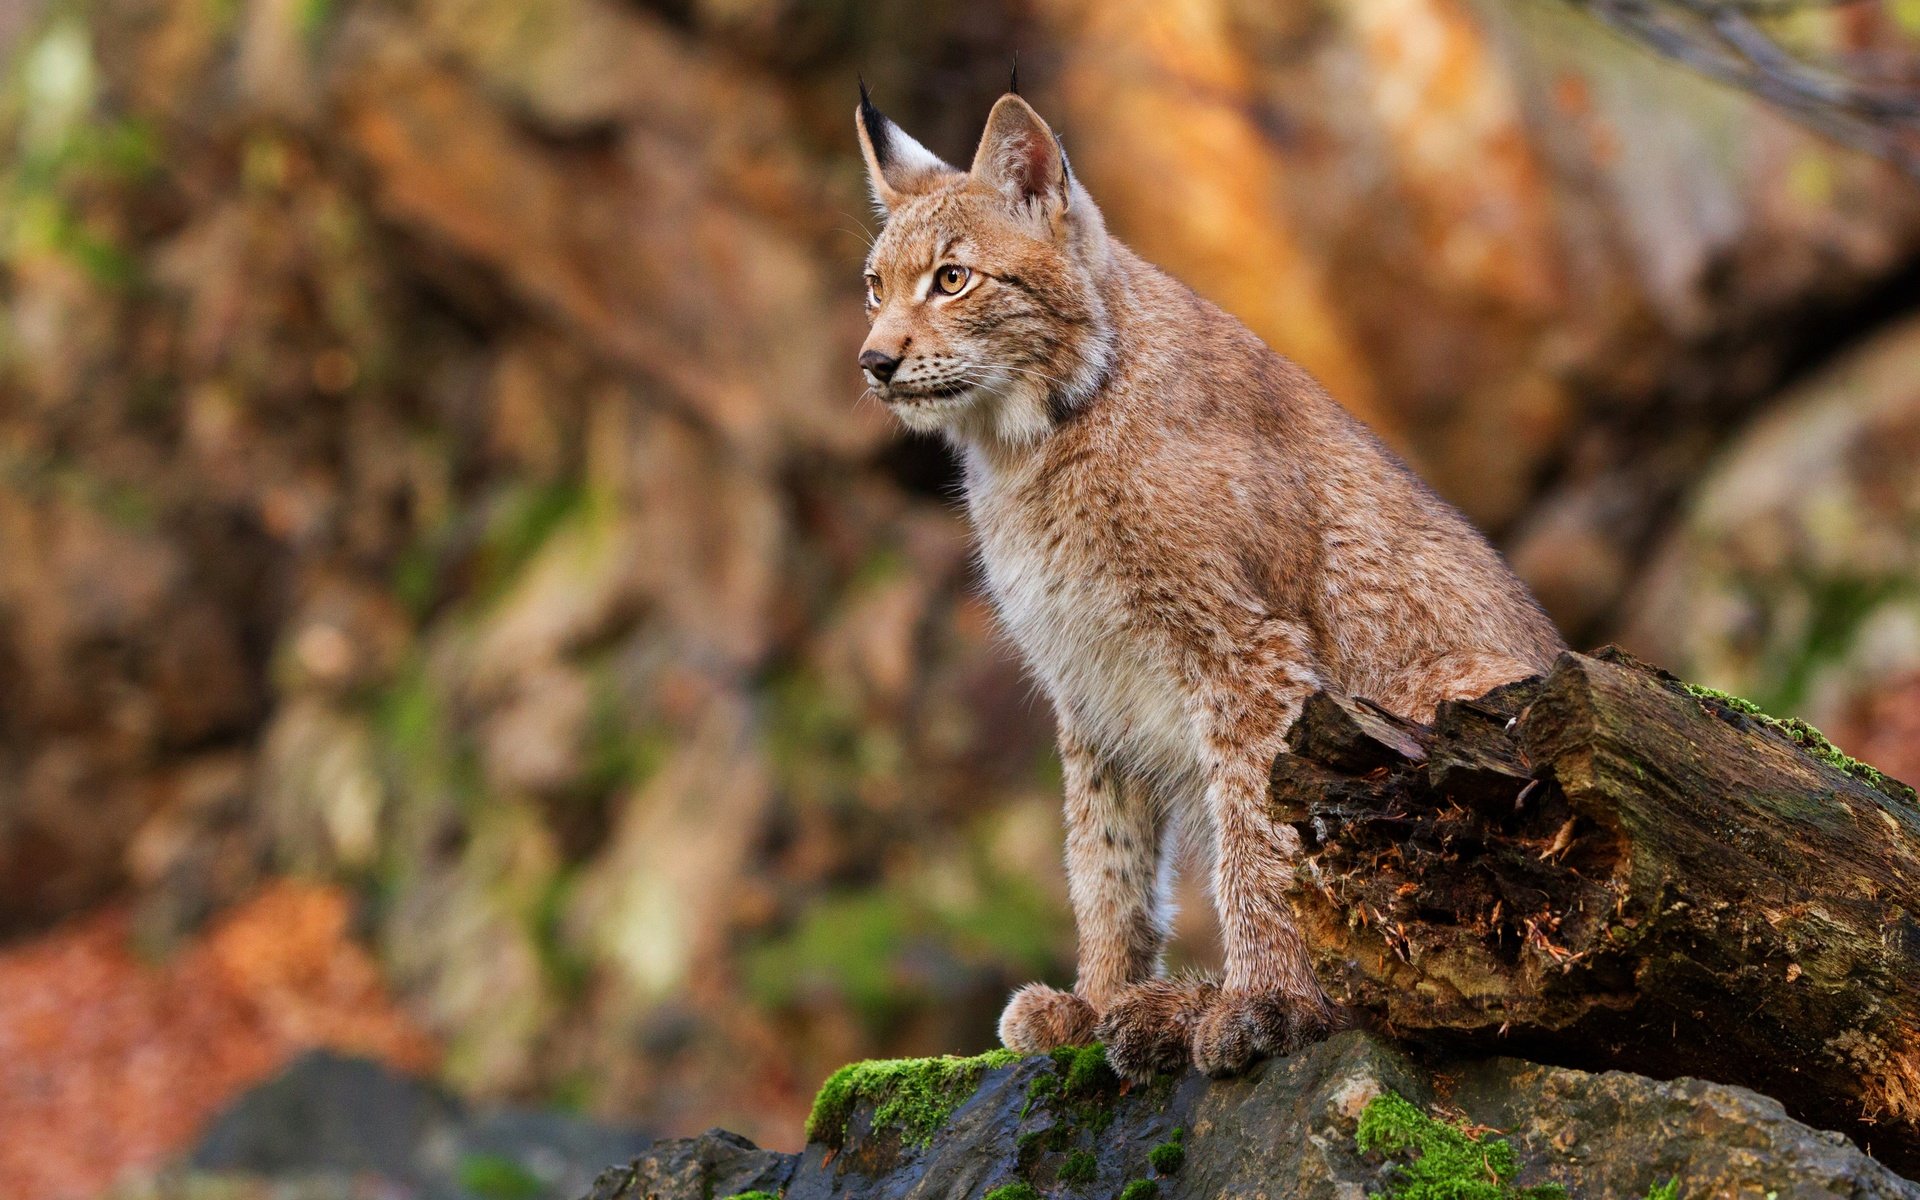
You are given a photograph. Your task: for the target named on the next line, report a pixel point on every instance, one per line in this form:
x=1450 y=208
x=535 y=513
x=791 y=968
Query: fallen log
x=1607 y=868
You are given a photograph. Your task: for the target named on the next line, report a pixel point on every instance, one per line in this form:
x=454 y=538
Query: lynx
x=1185 y=536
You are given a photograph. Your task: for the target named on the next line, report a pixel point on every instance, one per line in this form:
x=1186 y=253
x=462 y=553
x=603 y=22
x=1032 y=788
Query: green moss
x=423 y=747
x=1041 y=1089
x=1084 y=1069
x=1670 y=1190
x=621 y=753
x=1140 y=1189
x=1836 y=607
x=566 y=966
x=497 y=1177
x=1446 y=1163
x=756 y=1194
x=850 y=945
x=1738 y=704
x=311 y=18
x=1083 y=1088
x=1807 y=738
x=1169 y=1156
x=1031 y=1144
x=912 y=1095
x=1014 y=1191
x=1080 y=1167
x=861 y=945
x=521 y=520
x=70 y=151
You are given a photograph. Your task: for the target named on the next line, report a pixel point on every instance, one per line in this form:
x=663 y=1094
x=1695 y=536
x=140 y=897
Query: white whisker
x=860 y=230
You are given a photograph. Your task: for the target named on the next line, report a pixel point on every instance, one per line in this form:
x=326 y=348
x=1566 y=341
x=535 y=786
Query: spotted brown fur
x=1186 y=537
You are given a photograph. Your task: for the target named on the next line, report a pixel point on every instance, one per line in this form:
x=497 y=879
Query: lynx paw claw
x=1149 y=1028
x=1240 y=1028
x=1039 y=1018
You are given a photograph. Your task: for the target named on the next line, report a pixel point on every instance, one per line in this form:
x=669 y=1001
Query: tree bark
x=1602 y=868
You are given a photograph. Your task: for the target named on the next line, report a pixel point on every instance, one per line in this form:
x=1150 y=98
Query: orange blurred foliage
x=110 y=1063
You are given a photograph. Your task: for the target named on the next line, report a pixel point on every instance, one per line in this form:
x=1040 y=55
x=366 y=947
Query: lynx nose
x=880 y=363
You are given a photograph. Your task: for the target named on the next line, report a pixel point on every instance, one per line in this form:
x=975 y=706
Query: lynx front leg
x=1114 y=835
x=1269 y=1001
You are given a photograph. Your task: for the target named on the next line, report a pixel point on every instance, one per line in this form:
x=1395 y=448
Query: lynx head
x=983 y=288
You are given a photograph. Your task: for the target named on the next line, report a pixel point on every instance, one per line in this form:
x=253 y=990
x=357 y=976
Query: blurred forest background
x=454 y=609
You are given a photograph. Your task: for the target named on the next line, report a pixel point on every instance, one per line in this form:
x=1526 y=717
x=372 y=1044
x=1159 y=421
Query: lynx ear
x=1019 y=155
x=897 y=166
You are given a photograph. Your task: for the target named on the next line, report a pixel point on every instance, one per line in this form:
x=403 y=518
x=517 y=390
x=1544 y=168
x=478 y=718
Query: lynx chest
x=1064 y=598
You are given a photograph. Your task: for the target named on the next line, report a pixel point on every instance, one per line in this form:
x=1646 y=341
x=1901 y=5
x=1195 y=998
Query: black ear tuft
x=876 y=124
x=1013 y=75
x=897 y=166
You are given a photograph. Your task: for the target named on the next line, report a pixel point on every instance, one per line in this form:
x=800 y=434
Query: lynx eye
x=873 y=289
x=948 y=280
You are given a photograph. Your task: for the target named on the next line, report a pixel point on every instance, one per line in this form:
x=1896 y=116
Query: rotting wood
x=1605 y=869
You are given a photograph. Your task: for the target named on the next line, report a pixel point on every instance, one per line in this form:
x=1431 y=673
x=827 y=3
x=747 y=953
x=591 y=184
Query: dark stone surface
x=713 y=1166
x=1604 y=1133
x=328 y=1116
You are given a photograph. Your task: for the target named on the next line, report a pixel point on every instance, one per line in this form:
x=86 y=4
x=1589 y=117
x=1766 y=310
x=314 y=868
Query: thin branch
x=1722 y=40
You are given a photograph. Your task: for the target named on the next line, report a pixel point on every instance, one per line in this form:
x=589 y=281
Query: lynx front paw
x=1150 y=1027
x=1239 y=1028
x=1039 y=1018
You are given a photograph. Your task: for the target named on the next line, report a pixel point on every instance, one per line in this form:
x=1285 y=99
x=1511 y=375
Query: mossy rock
x=1441 y=1161
x=989 y=1127
x=912 y=1096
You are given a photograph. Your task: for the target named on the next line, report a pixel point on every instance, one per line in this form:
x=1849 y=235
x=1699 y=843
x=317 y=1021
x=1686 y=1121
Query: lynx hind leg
x=1149 y=1028
x=1039 y=1018
x=1269 y=1001
x=1416 y=692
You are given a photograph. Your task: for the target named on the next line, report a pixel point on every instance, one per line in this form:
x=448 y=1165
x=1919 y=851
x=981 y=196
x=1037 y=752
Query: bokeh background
x=455 y=610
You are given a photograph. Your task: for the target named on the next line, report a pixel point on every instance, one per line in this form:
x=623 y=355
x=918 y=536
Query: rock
x=1715 y=1140
x=715 y=1164
x=653 y=905
x=91 y=601
x=1789 y=575
x=353 y=1120
x=1481 y=331
x=121 y=1049
x=1066 y=1126
x=328 y=1113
